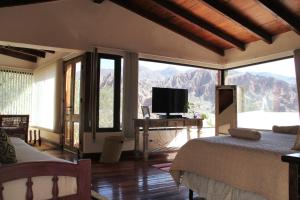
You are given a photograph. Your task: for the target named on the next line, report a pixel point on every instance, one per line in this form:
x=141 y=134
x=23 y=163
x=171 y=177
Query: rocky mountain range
x=261 y=91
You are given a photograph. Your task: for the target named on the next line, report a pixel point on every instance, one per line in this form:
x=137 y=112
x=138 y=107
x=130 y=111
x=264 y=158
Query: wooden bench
x=15 y=125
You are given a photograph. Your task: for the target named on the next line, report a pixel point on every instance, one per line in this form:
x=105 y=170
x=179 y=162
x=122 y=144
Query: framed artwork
x=146 y=112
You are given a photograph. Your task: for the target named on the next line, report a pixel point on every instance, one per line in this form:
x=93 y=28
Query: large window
x=267 y=94
x=15 y=92
x=199 y=82
x=109 y=93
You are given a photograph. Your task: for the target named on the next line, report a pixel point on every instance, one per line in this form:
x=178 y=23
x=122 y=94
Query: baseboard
x=96 y=156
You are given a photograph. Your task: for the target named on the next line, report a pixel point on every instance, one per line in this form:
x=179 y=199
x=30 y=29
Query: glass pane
x=68 y=88
x=76 y=135
x=199 y=82
x=67 y=133
x=106 y=93
x=267 y=94
x=77 y=88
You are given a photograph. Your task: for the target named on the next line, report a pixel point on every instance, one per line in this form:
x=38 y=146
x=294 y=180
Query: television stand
x=152 y=123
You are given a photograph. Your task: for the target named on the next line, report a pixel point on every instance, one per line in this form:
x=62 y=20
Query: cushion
x=7 y=150
x=285 y=129
x=245 y=133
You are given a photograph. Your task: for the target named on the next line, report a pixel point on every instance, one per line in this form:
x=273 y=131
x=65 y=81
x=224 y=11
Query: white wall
x=259 y=51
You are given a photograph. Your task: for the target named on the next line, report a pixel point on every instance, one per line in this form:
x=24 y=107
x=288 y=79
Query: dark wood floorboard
x=132 y=179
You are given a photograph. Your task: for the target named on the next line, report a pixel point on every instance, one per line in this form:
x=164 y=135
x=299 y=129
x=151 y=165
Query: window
x=267 y=94
x=109 y=93
x=15 y=92
x=199 y=82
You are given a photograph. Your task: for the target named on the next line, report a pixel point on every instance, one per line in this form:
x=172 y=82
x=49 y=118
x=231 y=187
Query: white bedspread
x=253 y=166
x=26 y=153
x=270 y=142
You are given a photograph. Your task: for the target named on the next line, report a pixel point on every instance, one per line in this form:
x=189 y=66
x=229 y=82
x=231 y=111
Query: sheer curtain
x=15 y=92
x=44 y=97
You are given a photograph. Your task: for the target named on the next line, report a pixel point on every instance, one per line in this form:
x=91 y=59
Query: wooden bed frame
x=81 y=171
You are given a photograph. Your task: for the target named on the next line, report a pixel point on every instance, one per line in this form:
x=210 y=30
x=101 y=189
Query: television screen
x=169 y=100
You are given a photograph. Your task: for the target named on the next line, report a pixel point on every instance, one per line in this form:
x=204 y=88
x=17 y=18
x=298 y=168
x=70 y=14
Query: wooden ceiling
x=214 y=24
x=221 y=24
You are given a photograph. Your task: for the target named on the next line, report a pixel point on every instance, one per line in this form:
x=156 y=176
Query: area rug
x=163 y=166
x=96 y=196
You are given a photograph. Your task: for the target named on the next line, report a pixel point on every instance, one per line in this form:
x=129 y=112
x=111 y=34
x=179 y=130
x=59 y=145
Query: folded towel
x=245 y=133
x=285 y=129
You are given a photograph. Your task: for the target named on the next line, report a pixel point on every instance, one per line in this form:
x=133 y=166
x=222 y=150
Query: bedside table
x=294 y=174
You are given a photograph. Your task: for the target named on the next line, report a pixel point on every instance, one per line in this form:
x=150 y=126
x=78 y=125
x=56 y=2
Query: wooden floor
x=132 y=180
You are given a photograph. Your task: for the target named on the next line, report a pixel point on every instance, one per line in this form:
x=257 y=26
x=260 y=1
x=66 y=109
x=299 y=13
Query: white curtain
x=15 y=92
x=130 y=92
x=44 y=97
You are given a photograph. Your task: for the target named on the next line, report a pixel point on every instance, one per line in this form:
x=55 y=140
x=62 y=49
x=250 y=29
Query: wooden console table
x=151 y=123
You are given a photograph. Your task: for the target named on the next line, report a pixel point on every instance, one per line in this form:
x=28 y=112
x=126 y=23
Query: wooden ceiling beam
x=240 y=19
x=128 y=4
x=49 y=51
x=10 y=3
x=98 y=1
x=17 y=54
x=33 y=52
x=181 y=12
x=277 y=8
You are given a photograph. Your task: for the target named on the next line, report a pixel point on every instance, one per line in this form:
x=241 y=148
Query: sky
x=285 y=67
x=161 y=66
x=107 y=63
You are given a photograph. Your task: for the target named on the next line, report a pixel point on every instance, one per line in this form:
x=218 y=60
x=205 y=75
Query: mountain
x=290 y=80
x=266 y=93
x=169 y=72
x=148 y=74
x=260 y=91
x=200 y=83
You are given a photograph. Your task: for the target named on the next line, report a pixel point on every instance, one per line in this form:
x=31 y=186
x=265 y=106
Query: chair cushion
x=7 y=150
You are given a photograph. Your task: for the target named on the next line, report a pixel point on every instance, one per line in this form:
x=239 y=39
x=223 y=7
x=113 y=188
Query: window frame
x=257 y=63
x=225 y=74
x=179 y=64
x=117 y=92
x=219 y=72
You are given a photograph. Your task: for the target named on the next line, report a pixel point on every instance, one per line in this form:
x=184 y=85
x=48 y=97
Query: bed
x=227 y=168
x=40 y=176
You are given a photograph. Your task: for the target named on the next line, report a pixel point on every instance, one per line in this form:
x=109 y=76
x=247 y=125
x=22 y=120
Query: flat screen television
x=169 y=100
